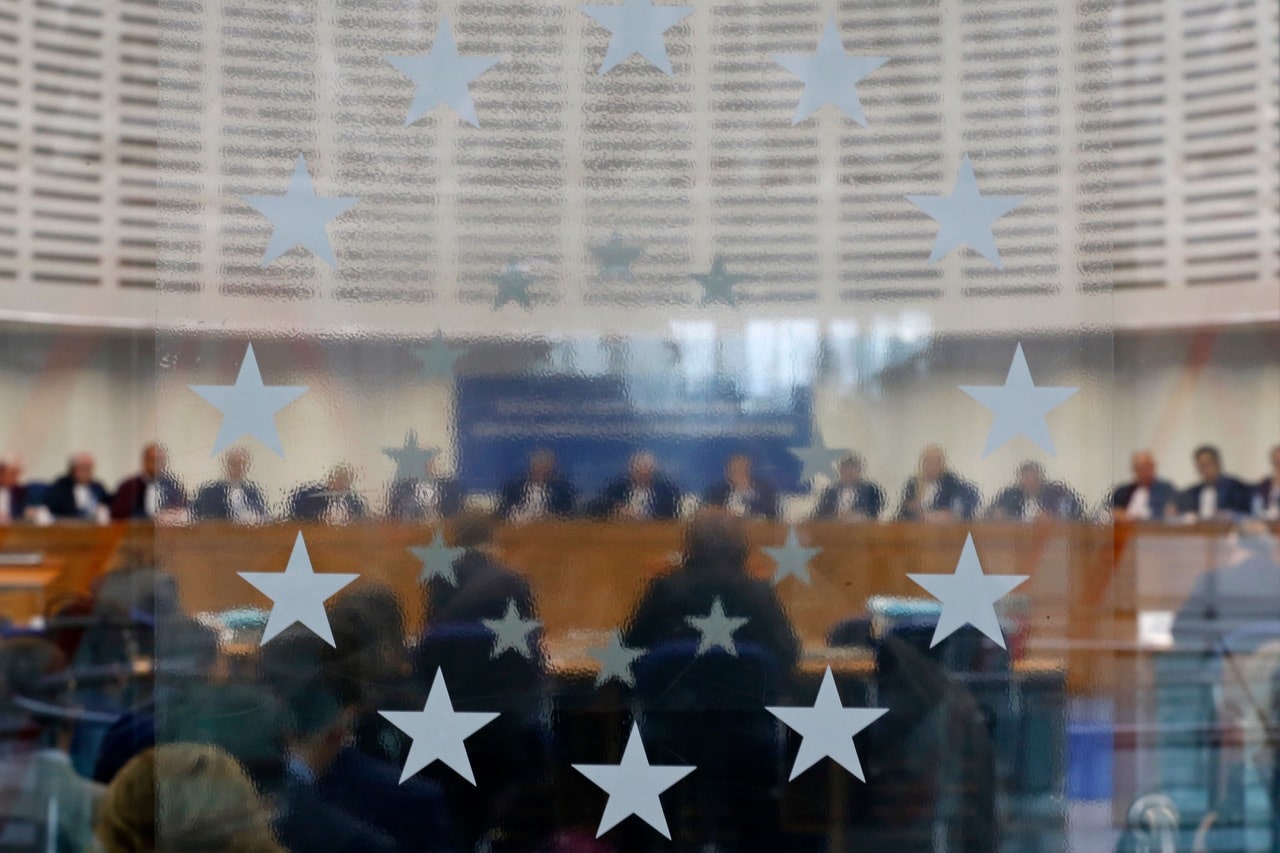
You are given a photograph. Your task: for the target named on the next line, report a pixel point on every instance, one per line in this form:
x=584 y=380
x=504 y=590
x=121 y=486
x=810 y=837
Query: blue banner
x=594 y=424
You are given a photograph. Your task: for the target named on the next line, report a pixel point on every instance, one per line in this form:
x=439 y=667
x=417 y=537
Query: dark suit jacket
x=1262 y=492
x=484 y=587
x=212 y=502
x=307 y=823
x=954 y=494
x=310 y=503
x=17 y=501
x=1162 y=495
x=669 y=599
x=61 y=499
x=560 y=497
x=402 y=503
x=765 y=503
x=869 y=500
x=1056 y=500
x=664 y=501
x=1233 y=496
x=413 y=814
x=131 y=496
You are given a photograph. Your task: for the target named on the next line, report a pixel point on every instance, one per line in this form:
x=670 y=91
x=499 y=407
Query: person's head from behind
x=184 y=796
x=715 y=542
x=245 y=720
x=80 y=467
x=1208 y=463
x=542 y=466
x=851 y=469
x=236 y=464
x=1143 y=464
x=369 y=636
x=319 y=724
x=154 y=460
x=738 y=471
x=24 y=664
x=933 y=462
x=1030 y=478
x=341 y=478
x=641 y=468
x=474 y=528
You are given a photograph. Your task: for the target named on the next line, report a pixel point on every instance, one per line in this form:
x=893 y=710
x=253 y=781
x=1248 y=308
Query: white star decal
x=633 y=786
x=968 y=596
x=438 y=732
x=827 y=729
x=716 y=628
x=830 y=75
x=966 y=217
x=299 y=217
x=1019 y=406
x=637 y=27
x=298 y=594
x=248 y=407
x=442 y=77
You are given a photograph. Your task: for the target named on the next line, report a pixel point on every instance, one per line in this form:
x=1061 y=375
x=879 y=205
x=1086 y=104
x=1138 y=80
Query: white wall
x=1168 y=392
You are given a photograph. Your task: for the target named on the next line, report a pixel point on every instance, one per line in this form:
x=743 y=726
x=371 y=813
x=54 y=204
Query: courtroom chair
x=709 y=710
x=853 y=633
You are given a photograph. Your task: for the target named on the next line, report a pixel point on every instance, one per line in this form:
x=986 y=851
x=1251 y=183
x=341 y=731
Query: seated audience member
x=76 y=494
x=1245 y=590
x=714 y=567
x=1216 y=495
x=936 y=493
x=851 y=498
x=742 y=494
x=641 y=494
x=1266 y=498
x=539 y=493
x=1035 y=497
x=332 y=502
x=430 y=497
x=1147 y=497
x=483 y=584
x=234 y=497
x=205 y=802
x=13 y=492
x=153 y=491
x=47 y=774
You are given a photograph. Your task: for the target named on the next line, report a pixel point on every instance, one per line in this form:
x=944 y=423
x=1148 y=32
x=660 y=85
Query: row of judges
x=934 y=493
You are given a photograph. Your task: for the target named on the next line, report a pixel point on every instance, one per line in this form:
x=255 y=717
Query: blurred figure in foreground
x=333 y=502
x=76 y=494
x=936 y=493
x=540 y=493
x=206 y=802
x=1266 y=499
x=233 y=498
x=1146 y=497
x=642 y=494
x=1245 y=590
x=852 y=498
x=151 y=492
x=741 y=493
x=1033 y=497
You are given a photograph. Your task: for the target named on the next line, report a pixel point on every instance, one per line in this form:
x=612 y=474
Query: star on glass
x=966 y=217
x=633 y=786
x=511 y=632
x=817 y=458
x=830 y=75
x=615 y=661
x=637 y=26
x=248 y=407
x=442 y=77
x=438 y=732
x=437 y=560
x=968 y=596
x=827 y=729
x=412 y=459
x=437 y=357
x=299 y=217
x=792 y=560
x=615 y=258
x=513 y=286
x=716 y=629
x=298 y=594
x=718 y=284
x=1019 y=406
